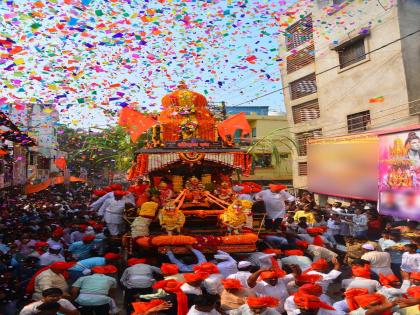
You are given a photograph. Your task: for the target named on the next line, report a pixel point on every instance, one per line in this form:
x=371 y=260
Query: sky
x=90 y=58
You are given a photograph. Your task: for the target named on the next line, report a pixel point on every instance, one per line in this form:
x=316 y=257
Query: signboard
x=344 y=166
x=399 y=174
x=193 y=143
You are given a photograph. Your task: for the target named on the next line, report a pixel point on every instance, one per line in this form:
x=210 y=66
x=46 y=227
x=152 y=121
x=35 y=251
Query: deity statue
x=165 y=193
x=234 y=217
x=195 y=191
x=224 y=192
x=171 y=218
x=247 y=209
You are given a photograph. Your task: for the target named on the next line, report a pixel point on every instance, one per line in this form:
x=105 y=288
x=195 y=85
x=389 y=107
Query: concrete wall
x=342 y=92
x=264 y=126
x=409 y=22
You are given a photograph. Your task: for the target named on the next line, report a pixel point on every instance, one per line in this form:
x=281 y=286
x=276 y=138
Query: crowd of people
x=61 y=253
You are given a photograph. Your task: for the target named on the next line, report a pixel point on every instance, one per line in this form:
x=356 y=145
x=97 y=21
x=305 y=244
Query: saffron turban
x=88 y=238
x=311 y=289
x=320 y=264
x=143 y=307
x=231 y=284
x=414 y=292
x=207 y=267
x=120 y=193
x=62 y=265
x=387 y=280
x=104 y=269
x=361 y=271
x=366 y=300
x=169 y=269
x=116 y=187
x=304 y=244
x=310 y=302
x=315 y=230
x=415 y=276
x=135 y=261
x=193 y=277
x=306 y=278
x=112 y=256
x=272 y=251
x=350 y=294
x=275 y=187
x=293 y=252
x=263 y=301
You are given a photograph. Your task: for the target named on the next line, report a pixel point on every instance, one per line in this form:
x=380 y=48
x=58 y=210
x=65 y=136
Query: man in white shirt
x=48 y=296
x=271 y=284
x=193 y=282
x=359 y=224
x=380 y=262
x=225 y=263
x=410 y=259
x=274 y=201
x=113 y=213
x=243 y=273
x=320 y=266
x=53 y=255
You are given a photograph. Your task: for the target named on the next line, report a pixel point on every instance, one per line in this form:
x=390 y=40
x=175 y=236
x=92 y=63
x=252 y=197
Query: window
x=299 y=33
x=305 y=111
x=352 y=53
x=300 y=59
x=254 y=132
x=303 y=86
x=263 y=160
x=302 y=140
x=358 y=122
x=302 y=168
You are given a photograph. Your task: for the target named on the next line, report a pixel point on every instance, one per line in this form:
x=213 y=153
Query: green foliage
x=97 y=149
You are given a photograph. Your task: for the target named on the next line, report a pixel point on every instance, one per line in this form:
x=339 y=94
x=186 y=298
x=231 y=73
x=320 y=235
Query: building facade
x=267 y=131
x=349 y=67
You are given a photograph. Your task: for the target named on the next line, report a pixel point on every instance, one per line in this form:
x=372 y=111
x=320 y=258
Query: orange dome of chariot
x=182 y=97
x=183 y=106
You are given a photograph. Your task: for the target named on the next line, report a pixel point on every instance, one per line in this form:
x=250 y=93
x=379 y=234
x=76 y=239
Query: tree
x=98 y=149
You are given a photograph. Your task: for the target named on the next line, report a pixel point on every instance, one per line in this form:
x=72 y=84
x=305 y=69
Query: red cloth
x=120 y=193
x=303 y=244
x=104 y=269
x=361 y=271
x=62 y=265
x=61 y=163
x=275 y=187
x=135 y=122
x=134 y=261
x=321 y=264
x=207 y=267
x=311 y=289
x=115 y=187
x=386 y=280
x=293 y=252
x=88 y=238
x=415 y=275
x=143 y=307
x=112 y=256
x=310 y=302
x=173 y=286
x=350 y=294
x=414 y=292
x=306 y=278
x=229 y=126
x=263 y=301
x=231 y=284
x=193 y=277
x=169 y=269
x=367 y=299
x=99 y=192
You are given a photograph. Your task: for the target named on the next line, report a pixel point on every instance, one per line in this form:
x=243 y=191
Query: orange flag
x=233 y=123
x=61 y=163
x=135 y=122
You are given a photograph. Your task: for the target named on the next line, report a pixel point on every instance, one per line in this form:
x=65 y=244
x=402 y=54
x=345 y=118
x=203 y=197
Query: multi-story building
x=265 y=167
x=349 y=67
x=39 y=120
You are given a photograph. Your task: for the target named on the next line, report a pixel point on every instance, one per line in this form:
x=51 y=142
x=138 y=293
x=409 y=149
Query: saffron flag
x=233 y=123
x=377 y=99
x=61 y=163
x=135 y=122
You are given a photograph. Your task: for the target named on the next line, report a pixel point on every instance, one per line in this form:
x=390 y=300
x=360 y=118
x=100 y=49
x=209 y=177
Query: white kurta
x=48 y=258
x=99 y=202
x=242 y=276
x=213 y=284
x=113 y=216
x=291 y=308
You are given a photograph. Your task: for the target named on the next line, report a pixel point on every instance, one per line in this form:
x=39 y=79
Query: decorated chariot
x=183 y=185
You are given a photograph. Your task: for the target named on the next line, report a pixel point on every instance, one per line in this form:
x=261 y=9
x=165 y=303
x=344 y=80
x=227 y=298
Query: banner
x=344 y=166
x=399 y=174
